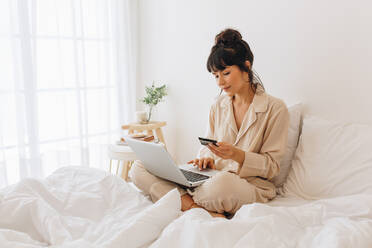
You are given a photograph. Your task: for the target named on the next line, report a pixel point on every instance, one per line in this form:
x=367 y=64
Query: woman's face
x=231 y=80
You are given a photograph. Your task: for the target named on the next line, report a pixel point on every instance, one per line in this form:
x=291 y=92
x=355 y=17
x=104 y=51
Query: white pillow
x=293 y=135
x=331 y=160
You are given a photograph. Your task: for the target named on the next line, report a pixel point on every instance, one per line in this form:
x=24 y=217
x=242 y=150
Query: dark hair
x=230 y=49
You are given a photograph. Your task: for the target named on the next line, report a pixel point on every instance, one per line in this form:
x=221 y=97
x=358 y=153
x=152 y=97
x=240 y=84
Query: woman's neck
x=244 y=97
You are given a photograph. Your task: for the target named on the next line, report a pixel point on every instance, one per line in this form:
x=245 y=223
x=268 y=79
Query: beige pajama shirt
x=263 y=137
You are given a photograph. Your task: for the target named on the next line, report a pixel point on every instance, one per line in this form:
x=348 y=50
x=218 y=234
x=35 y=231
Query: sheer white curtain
x=67 y=82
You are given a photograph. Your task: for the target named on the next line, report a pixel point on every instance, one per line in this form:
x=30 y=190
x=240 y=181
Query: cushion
x=293 y=135
x=332 y=159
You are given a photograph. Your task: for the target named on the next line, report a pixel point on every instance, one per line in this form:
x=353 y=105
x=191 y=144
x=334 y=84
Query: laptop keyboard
x=193 y=177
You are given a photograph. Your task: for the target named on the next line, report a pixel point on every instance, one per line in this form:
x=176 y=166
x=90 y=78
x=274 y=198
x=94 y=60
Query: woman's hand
x=203 y=163
x=227 y=151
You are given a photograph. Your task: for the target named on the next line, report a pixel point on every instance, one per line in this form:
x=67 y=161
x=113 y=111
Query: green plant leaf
x=154 y=94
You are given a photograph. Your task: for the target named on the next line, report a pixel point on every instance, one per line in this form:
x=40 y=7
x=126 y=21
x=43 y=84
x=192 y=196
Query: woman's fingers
x=221 y=148
x=224 y=150
x=210 y=147
x=212 y=164
x=200 y=164
x=217 y=152
x=213 y=149
x=209 y=163
x=194 y=162
x=205 y=163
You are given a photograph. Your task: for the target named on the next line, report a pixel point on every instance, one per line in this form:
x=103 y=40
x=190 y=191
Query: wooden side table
x=149 y=128
x=121 y=154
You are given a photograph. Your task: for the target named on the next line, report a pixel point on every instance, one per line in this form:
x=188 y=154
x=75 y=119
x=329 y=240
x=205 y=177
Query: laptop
x=158 y=162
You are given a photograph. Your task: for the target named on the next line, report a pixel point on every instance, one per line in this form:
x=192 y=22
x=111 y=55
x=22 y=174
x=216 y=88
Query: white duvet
x=340 y=222
x=81 y=207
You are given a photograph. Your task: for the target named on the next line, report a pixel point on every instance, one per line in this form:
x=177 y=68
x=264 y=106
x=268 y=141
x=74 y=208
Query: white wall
x=317 y=52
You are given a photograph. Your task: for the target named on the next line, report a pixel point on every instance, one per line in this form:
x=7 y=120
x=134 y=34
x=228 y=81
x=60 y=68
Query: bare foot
x=214 y=214
x=188 y=203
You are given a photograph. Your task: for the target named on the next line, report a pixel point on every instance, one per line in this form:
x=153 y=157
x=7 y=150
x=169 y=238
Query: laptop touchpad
x=190 y=167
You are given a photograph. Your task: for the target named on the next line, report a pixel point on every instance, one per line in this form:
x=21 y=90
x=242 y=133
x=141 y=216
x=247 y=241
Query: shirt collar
x=259 y=103
x=260 y=99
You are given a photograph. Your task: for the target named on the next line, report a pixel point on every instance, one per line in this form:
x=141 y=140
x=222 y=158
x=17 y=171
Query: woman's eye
x=226 y=73
x=216 y=76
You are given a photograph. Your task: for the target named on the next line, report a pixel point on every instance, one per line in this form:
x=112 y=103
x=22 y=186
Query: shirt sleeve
x=204 y=152
x=266 y=163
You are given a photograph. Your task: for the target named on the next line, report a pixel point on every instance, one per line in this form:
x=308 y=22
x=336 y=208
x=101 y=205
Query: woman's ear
x=248 y=64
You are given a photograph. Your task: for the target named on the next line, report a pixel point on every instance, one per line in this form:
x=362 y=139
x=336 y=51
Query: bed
x=325 y=201
x=83 y=207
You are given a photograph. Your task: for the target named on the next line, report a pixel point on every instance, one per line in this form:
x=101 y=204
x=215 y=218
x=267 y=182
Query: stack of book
x=138 y=136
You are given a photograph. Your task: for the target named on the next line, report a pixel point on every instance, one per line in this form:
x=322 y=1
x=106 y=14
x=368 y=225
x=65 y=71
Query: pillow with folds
x=332 y=159
x=293 y=135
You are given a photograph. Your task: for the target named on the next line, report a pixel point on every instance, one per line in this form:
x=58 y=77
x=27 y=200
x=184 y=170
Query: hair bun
x=228 y=37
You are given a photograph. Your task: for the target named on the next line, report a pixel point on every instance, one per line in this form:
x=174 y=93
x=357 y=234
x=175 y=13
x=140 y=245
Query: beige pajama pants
x=224 y=192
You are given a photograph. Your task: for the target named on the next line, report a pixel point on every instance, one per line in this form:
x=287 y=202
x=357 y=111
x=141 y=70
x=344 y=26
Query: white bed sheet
x=287 y=201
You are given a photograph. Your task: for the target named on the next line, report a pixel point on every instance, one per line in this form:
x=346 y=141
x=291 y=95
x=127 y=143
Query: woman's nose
x=220 y=81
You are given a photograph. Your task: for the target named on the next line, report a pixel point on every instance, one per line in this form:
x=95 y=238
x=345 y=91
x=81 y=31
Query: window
x=63 y=94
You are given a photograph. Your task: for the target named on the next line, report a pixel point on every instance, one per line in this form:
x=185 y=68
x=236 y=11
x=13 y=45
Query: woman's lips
x=226 y=88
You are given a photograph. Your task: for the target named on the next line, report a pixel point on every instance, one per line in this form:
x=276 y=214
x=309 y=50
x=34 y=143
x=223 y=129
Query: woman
x=252 y=128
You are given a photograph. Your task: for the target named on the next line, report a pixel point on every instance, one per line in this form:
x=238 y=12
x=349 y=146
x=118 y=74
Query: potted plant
x=154 y=95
